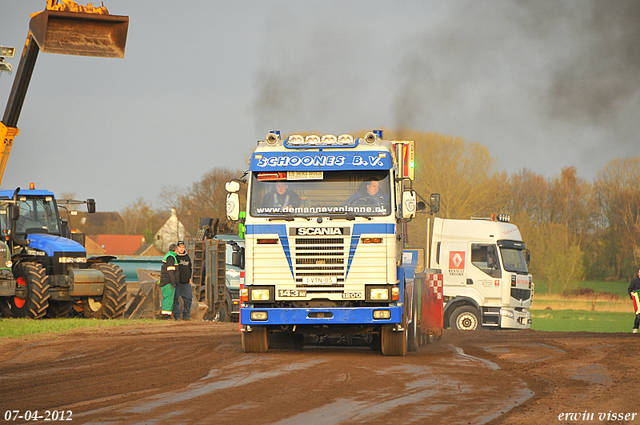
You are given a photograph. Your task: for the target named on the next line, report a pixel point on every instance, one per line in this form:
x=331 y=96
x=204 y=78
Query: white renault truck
x=486 y=279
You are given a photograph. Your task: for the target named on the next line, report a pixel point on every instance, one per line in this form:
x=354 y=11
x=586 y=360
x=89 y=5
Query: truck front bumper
x=513 y=319
x=319 y=316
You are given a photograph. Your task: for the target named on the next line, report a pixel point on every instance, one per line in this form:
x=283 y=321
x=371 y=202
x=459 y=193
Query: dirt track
x=197 y=373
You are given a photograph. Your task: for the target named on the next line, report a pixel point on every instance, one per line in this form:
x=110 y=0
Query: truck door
x=484 y=272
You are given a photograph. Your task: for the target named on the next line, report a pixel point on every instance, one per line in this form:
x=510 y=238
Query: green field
x=617 y=287
x=579 y=320
x=14 y=328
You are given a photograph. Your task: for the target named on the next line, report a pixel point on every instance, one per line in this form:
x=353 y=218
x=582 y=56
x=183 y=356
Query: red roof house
x=119 y=244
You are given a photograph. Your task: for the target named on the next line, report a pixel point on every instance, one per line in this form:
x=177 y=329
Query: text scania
x=318 y=231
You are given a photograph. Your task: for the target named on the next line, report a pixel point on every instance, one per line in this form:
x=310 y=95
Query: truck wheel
x=412 y=342
x=255 y=341
x=465 y=318
x=114 y=298
x=58 y=309
x=34 y=306
x=223 y=313
x=393 y=343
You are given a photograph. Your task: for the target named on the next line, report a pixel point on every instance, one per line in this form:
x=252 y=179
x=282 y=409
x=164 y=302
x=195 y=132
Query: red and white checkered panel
x=636 y=300
x=435 y=283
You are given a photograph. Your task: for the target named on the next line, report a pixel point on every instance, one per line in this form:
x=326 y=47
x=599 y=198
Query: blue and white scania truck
x=324 y=241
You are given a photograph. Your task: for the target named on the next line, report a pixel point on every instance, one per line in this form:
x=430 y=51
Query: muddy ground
x=196 y=372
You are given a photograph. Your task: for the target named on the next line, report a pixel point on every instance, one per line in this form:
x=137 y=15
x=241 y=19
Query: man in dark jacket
x=184 y=284
x=634 y=293
x=168 y=281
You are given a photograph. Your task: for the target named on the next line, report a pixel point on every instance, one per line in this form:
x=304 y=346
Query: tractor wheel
x=394 y=343
x=255 y=341
x=34 y=306
x=465 y=318
x=114 y=298
x=58 y=309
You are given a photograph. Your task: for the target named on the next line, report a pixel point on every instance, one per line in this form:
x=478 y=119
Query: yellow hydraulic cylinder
x=7 y=134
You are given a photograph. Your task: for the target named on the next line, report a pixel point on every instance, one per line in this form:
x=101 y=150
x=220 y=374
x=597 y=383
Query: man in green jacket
x=168 y=281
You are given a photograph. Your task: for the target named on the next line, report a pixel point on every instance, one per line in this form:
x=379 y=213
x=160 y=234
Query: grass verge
x=14 y=328
x=576 y=321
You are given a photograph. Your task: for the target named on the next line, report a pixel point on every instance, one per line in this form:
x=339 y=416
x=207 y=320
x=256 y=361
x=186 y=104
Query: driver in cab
x=280 y=196
x=369 y=194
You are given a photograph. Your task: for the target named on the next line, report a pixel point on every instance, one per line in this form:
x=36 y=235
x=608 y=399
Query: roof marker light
x=329 y=139
x=296 y=140
x=345 y=139
x=312 y=140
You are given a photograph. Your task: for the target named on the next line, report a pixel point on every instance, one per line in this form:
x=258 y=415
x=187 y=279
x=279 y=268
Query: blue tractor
x=49 y=266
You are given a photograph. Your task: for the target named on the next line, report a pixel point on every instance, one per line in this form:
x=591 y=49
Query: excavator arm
x=64 y=28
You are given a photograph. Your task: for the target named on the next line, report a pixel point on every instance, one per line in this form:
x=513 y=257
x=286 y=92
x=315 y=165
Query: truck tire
x=223 y=313
x=465 y=318
x=393 y=343
x=34 y=277
x=412 y=341
x=255 y=341
x=59 y=309
x=114 y=298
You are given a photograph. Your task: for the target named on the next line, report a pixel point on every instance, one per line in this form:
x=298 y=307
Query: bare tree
x=617 y=188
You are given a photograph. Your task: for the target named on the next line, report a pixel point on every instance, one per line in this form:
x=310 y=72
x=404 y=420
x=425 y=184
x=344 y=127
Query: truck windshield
x=513 y=260
x=37 y=215
x=306 y=194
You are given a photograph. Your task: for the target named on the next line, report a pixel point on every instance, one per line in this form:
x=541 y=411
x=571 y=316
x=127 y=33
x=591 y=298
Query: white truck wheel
x=465 y=318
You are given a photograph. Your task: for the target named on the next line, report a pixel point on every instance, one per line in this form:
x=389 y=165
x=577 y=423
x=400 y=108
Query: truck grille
x=520 y=294
x=319 y=257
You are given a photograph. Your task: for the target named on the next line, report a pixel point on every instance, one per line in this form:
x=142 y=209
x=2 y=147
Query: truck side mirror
x=237 y=258
x=527 y=257
x=233 y=206
x=232 y=187
x=434 y=202
x=492 y=262
x=408 y=204
x=91 y=206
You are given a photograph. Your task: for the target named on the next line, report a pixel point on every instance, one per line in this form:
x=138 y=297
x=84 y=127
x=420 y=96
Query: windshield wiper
x=287 y=217
x=349 y=217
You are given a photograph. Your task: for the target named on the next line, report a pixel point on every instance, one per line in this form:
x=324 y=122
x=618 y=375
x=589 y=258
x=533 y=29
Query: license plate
x=296 y=293
x=325 y=280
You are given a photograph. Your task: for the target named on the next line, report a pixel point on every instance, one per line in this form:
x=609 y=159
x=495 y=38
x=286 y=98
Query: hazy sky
x=543 y=85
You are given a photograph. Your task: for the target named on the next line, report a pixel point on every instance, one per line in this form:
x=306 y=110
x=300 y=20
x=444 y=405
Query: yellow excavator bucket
x=77 y=33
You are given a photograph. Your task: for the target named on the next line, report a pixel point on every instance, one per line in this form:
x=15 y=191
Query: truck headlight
x=261 y=294
x=507 y=313
x=379 y=294
x=259 y=316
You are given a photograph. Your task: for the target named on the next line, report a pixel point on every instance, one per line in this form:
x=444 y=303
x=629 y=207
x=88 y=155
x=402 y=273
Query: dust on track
x=196 y=372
